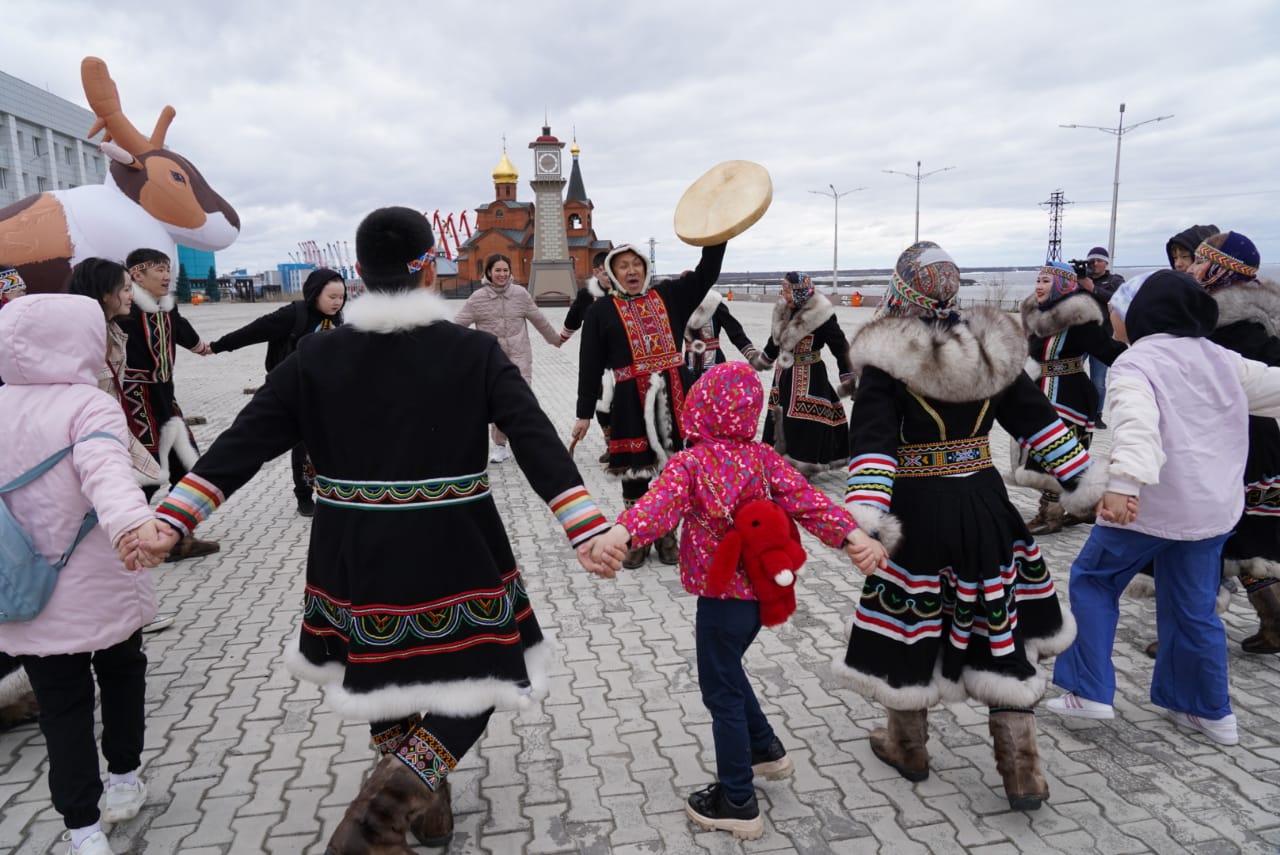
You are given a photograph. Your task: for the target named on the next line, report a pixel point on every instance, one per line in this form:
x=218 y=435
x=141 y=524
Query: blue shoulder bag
x=26 y=576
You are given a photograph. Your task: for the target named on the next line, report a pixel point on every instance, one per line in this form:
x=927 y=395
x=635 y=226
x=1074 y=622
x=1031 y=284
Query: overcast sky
x=307 y=115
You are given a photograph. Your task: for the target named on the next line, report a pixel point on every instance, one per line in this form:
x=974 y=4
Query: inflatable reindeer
x=151 y=198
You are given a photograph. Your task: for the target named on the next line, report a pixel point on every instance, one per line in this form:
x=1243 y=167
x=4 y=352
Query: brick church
x=506 y=226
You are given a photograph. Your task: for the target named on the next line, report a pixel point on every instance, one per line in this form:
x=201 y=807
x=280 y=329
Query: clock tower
x=551 y=276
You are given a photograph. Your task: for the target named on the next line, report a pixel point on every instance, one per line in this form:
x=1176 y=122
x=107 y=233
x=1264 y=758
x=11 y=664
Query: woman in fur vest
x=1063 y=325
x=805 y=422
x=702 y=345
x=966 y=607
x=1226 y=264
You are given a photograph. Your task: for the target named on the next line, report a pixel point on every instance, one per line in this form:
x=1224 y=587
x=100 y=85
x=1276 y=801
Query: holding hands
x=147 y=545
x=1118 y=508
x=602 y=555
x=866 y=553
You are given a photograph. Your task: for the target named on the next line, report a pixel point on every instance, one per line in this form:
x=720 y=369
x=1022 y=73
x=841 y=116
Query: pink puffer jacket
x=55 y=345
x=506 y=313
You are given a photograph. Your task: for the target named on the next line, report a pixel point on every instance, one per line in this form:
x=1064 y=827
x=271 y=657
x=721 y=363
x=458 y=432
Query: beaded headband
x=421 y=261
x=1211 y=253
x=11 y=280
x=144 y=266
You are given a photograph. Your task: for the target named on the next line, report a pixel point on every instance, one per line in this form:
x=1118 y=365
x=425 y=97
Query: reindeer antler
x=104 y=100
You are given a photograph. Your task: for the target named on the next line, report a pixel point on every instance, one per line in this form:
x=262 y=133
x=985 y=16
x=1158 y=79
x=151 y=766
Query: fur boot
x=669 y=548
x=1017 y=758
x=392 y=801
x=1050 y=519
x=901 y=743
x=1266 y=601
x=604 y=457
x=635 y=558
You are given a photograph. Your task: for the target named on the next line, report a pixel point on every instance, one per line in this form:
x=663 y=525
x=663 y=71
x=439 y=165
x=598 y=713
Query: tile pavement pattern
x=240 y=758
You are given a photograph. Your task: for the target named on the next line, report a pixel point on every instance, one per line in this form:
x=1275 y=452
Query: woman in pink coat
x=55 y=345
x=505 y=309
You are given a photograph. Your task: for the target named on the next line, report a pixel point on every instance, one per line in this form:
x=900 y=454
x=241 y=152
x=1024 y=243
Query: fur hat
x=925 y=281
x=1232 y=259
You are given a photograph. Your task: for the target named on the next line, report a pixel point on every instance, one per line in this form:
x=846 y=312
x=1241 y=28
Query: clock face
x=548 y=163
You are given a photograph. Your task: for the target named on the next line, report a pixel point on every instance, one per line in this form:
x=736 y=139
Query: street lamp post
x=835 y=245
x=917 y=177
x=1118 y=132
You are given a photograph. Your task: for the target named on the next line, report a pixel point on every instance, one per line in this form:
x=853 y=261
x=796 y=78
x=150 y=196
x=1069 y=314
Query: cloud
x=308 y=115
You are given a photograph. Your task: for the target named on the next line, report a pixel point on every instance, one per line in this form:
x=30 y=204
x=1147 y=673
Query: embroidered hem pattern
x=402 y=495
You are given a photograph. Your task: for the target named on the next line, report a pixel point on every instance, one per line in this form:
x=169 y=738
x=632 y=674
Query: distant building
x=506 y=226
x=44 y=146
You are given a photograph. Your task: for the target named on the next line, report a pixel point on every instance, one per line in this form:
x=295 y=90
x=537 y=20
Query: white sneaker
x=123 y=801
x=1220 y=730
x=94 y=844
x=1073 y=705
x=161 y=622
x=500 y=454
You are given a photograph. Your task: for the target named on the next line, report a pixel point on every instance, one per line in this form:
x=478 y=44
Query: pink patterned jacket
x=703 y=485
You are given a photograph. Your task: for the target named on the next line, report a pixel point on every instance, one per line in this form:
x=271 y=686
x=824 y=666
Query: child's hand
x=1118 y=508
x=147 y=545
x=602 y=555
x=866 y=553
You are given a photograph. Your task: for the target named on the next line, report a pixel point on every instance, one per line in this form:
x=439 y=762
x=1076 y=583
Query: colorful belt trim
x=647 y=366
x=944 y=458
x=402 y=495
x=1059 y=367
x=808 y=358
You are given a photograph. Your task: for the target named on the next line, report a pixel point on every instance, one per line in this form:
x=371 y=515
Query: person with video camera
x=1101 y=283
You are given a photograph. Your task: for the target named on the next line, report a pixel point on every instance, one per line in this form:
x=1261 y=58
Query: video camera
x=1081 y=267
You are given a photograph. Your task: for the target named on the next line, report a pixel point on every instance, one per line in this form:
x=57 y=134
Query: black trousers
x=64 y=687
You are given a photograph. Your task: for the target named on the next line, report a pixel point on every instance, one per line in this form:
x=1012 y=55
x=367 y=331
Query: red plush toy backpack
x=766 y=542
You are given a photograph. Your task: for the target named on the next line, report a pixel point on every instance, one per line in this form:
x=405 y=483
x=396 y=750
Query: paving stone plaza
x=240 y=758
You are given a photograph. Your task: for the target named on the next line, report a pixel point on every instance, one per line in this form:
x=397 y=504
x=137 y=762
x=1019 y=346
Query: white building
x=43 y=142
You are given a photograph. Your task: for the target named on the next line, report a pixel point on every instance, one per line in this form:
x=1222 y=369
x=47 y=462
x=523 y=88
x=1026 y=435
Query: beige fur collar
x=788 y=331
x=379 y=312
x=1071 y=311
x=972 y=360
x=1258 y=302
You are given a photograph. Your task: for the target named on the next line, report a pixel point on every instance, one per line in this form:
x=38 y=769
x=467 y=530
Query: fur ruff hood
x=594 y=288
x=1258 y=301
x=149 y=304
x=1071 y=311
x=702 y=315
x=967 y=361
x=789 y=328
x=379 y=312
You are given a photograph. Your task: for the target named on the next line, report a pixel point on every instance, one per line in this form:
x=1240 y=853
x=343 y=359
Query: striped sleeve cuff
x=189 y=503
x=871 y=480
x=1059 y=452
x=565 y=334
x=578 y=514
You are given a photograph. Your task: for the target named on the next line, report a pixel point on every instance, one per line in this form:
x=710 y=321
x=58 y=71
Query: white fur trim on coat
x=594 y=288
x=1071 y=311
x=378 y=312
x=1258 y=568
x=702 y=314
x=1088 y=491
x=938 y=690
x=457 y=698
x=881 y=525
x=14 y=686
x=969 y=361
x=1039 y=649
x=149 y=304
x=605 y=404
x=1257 y=301
x=787 y=328
x=657 y=418
x=174 y=437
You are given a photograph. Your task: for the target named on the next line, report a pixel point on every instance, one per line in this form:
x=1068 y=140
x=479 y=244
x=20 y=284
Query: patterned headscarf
x=925 y=281
x=801 y=289
x=1064 y=282
x=1232 y=258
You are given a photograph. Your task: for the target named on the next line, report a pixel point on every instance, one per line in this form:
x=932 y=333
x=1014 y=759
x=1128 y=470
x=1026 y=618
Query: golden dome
x=573 y=149
x=505 y=172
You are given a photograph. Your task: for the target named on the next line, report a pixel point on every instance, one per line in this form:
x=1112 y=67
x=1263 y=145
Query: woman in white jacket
x=505 y=309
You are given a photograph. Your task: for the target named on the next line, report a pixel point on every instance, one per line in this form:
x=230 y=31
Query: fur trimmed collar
x=149 y=304
x=384 y=313
x=1072 y=310
x=971 y=360
x=1258 y=301
x=594 y=288
x=702 y=315
x=789 y=328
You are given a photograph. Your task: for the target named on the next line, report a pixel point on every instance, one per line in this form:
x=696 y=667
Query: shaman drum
x=726 y=201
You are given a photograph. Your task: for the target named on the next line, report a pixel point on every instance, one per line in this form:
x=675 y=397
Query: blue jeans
x=1191 y=666
x=723 y=632
x=1098 y=374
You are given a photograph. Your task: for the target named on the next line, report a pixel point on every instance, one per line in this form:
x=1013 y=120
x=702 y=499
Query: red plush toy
x=766 y=542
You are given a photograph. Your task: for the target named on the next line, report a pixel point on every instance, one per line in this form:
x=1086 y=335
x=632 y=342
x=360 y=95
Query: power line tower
x=1056 y=202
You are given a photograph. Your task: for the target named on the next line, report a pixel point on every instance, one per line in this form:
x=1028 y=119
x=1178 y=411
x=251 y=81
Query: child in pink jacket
x=703 y=486
x=54 y=347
